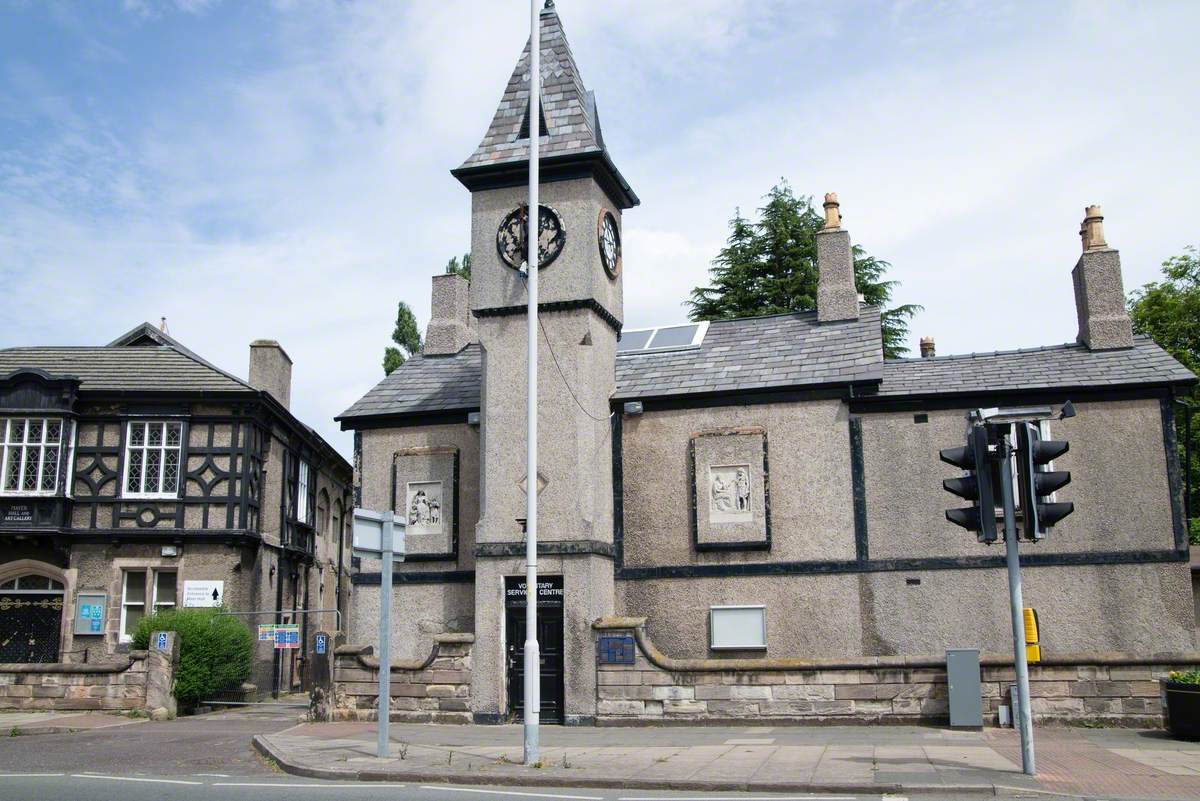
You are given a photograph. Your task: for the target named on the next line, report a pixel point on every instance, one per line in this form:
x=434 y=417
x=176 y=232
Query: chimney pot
x=271 y=370
x=833 y=211
x=928 y=350
x=837 y=297
x=1091 y=230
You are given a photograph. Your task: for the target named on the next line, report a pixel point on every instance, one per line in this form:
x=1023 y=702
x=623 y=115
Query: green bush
x=1188 y=677
x=215 y=653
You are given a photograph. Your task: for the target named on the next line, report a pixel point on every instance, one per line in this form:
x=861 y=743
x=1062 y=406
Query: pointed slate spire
x=570 y=124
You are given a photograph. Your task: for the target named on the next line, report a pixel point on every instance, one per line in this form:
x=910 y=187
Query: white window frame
x=24 y=447
x=145 y=448
x=145 y=571
x=157 y=604
x=303 y=475
x=150 y=602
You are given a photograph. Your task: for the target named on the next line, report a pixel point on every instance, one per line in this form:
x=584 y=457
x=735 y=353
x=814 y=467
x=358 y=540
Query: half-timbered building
x=136 y=476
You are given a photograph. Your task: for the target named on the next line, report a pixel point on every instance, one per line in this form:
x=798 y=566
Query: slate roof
x=423 y=385
x=569 y=110
x=1070 y=365
x=133 y=368
x=754 y=353
x=788 y=351
x=783 y=350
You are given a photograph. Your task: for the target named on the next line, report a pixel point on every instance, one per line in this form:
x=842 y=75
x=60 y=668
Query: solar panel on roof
x=667 y=337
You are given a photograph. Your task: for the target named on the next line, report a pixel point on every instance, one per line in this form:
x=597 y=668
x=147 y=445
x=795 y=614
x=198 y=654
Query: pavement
x=16 y=724
x=871 y=760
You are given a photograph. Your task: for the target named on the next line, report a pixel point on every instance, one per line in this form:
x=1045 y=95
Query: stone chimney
x=450 y=321
x=1099 y=292
x=837 y=299
x=928 y=351
x=271 y=370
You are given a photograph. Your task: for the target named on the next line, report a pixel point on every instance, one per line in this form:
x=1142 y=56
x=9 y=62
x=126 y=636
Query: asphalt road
x=209 y=757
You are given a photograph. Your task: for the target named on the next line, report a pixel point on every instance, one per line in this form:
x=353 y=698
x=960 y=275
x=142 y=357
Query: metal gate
x=30 y=626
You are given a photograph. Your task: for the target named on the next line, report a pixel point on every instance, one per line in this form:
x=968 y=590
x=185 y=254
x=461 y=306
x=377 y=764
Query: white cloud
x=300 y=199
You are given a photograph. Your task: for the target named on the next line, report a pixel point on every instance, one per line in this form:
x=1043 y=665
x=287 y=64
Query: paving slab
x=851 y=759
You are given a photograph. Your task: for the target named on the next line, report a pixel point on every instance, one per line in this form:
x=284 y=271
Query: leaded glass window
x=29 y=455
x=152 y=459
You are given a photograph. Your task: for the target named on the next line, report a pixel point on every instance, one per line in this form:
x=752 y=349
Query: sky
x=252 y=169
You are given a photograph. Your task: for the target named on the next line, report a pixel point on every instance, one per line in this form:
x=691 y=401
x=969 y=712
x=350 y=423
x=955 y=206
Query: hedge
x=215 y=652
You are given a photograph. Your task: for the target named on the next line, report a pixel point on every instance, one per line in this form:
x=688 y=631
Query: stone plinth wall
x=1107 y=688
x=143 y=680
x=436 y=689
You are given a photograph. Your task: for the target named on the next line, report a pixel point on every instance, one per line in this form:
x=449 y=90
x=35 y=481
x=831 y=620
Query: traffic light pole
x=1021 y=711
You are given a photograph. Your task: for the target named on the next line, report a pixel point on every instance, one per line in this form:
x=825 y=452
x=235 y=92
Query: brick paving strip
x=1127 y=764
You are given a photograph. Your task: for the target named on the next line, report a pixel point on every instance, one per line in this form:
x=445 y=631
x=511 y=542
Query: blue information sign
x=321 y=643
x=162 y=641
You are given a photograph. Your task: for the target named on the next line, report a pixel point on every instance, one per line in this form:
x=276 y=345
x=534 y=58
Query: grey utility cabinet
x=962 y=675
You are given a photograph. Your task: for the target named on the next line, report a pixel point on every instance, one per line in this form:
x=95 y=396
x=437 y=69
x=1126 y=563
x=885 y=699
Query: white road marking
x=28 y=775
x=513 y=792
x=331 y=785
x=131 y=779
x=747 y=798
x=213 y=775
x=751 y=741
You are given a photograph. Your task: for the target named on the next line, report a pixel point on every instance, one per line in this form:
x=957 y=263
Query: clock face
x=610 y=244
x=510 y=238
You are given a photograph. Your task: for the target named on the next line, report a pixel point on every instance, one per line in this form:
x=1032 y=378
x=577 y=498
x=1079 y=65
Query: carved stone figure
x=424 y=507
x=729 y=494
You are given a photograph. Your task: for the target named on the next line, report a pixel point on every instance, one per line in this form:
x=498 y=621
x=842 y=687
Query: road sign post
x=374 y=537
x=1024 y=716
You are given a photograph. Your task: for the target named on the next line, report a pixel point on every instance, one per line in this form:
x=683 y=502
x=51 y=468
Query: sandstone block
x=672 y=693
x=805 y=692
x=750 y=693
x=611 y=707
x=1112 y=689
x=854 y=691
x=713 y=692
x=734 y=709
x=684 y=707
x=789 y=709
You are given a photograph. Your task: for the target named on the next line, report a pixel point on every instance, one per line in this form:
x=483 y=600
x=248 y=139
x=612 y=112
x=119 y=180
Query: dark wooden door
x=550 y=646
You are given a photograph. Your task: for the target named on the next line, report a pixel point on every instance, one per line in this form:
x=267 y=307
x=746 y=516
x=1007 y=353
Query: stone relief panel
x=424 y=508
x=730 y=490
x=729 y=494
x=425 y=496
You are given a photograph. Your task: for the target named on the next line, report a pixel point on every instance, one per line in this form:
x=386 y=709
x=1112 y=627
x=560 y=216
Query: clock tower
x=582 y=198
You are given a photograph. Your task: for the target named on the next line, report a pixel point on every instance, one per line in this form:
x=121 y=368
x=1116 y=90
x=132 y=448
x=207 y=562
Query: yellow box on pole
x=1033 y=649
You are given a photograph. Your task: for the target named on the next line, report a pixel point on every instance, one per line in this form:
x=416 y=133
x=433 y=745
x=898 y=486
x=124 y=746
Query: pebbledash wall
x=143 y=680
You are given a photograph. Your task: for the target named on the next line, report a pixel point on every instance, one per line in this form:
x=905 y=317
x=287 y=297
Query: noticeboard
x=287 y=636
x=89 y=613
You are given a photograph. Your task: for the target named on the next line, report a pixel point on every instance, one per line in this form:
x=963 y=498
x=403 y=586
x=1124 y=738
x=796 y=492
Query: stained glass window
x=153 y=459
x=29 y=455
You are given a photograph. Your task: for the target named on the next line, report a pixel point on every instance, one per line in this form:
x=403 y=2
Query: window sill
x=174 y=496
x=42 y=494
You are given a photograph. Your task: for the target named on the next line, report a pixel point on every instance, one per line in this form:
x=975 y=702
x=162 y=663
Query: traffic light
x=1035 y=483
x=976 y=487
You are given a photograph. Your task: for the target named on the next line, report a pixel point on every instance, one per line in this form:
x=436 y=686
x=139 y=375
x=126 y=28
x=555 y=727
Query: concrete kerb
x=268 y=749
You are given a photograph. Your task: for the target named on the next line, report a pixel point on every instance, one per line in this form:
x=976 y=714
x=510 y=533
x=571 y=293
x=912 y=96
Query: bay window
x=29 y=462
